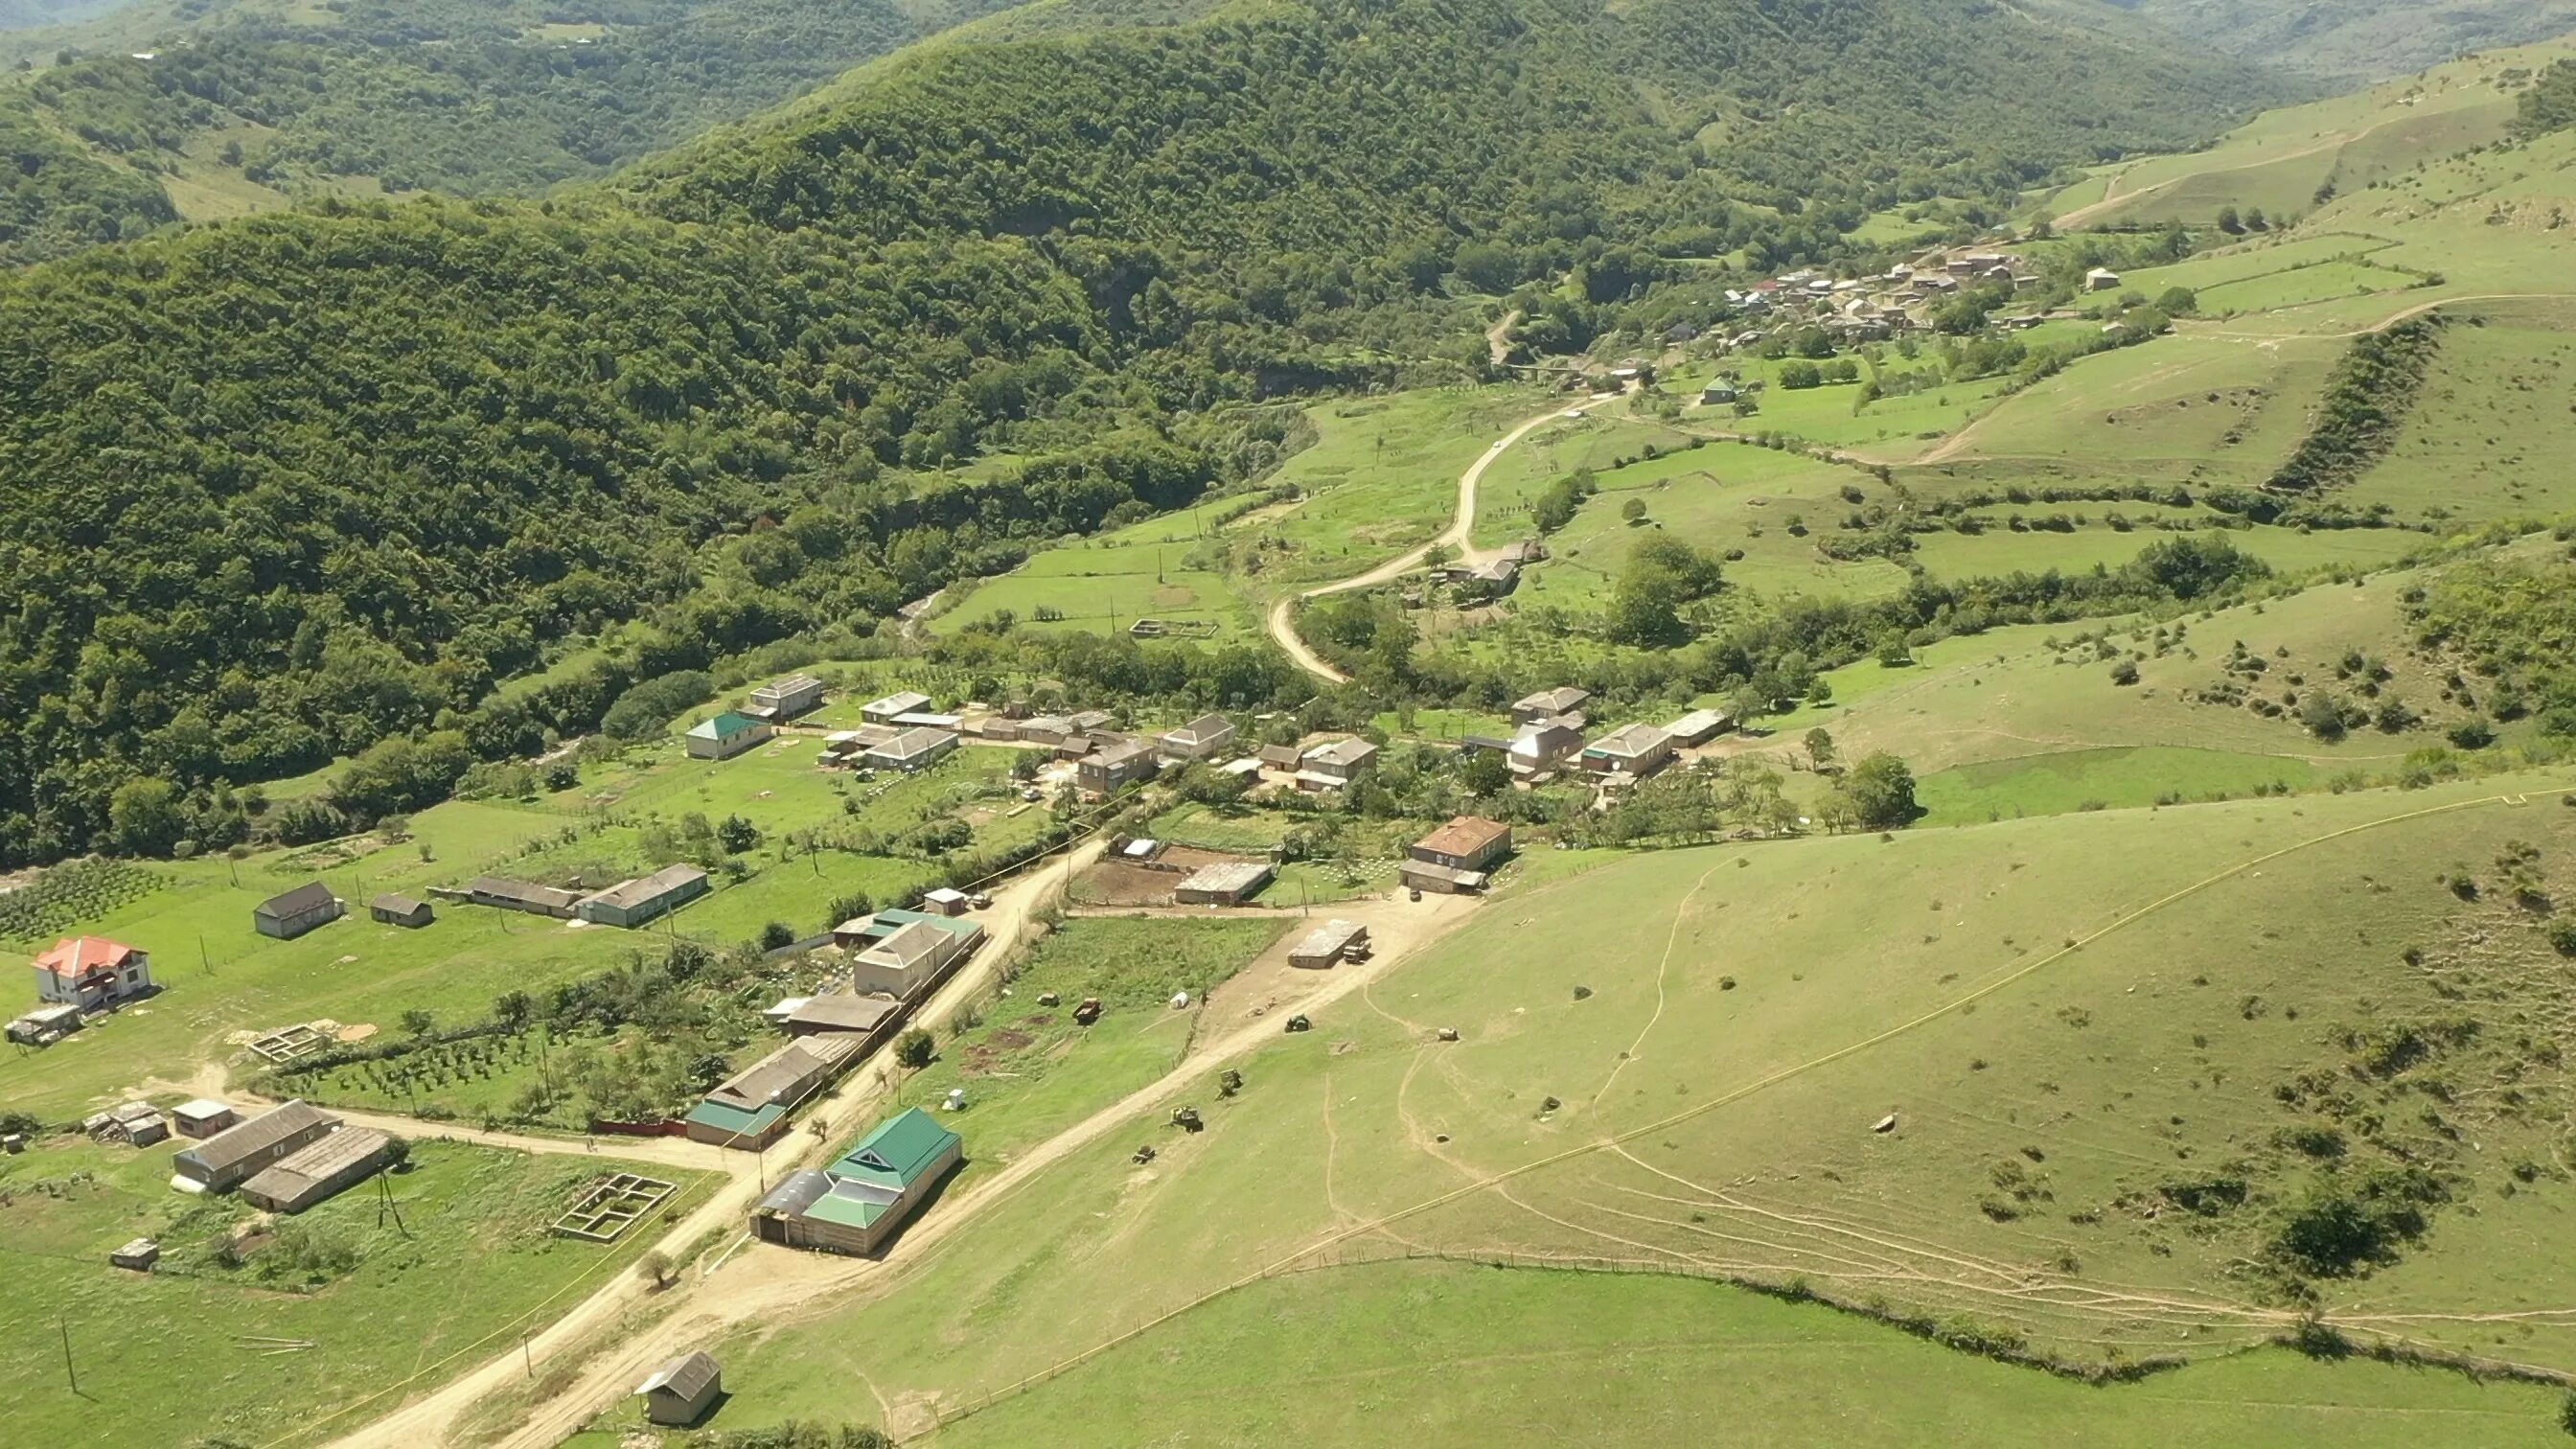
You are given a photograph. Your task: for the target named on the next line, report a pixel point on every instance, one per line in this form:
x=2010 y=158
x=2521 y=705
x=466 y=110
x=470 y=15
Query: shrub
x=915 y=1048
x=2125 y=672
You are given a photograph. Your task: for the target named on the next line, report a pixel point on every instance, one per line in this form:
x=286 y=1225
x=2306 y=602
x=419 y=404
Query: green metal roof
x=734 y=1119
x=854 y=1212
x=886 y=922
x=725 y=726
x=898 y=1152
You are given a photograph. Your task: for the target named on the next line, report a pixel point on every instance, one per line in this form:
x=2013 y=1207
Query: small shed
x=400 y=910
x=202 y=1118
x=680 y=1392
x=1224 y=883
x=138 y=1254
x=1327 y=944
x=945 y=901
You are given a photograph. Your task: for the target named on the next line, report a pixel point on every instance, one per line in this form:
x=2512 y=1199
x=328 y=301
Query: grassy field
x=2064 y=1052
x=373 y=1303
x=1349 y=1355
x=1029 y=1071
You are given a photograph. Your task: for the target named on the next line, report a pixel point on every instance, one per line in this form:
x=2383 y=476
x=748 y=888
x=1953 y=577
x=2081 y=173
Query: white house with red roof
x=92 y=971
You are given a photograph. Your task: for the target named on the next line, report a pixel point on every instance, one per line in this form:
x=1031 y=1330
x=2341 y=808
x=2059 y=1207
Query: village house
x=1334 y=765
x=1719 y=391
x=90 y=972
x=1549 y=704
x=749 y=1109
x=1328 y=944
x=296 y=912
x=861 y=932
x=915 y=749
x=906 y=963
x=883 y=711
x=1116 y=765
x=2101 y=279
x=727 y=735
x=680 y=1392
x=632 y=903
x=318 y=1171
x=784 y=699
x=230 y=1157
x=1630 y=752
x=1202 y=738
x=1546 y=744
x=1457 y=857
x=855 y=1205
x=393 y=909
x=1224 y=883
x=849 y=748
x=1279 y=757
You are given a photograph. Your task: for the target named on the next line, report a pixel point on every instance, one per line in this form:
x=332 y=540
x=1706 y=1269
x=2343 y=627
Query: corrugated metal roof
x=898 y=1151
x=310 y=896
x=687 y=1376
x=260 y=1133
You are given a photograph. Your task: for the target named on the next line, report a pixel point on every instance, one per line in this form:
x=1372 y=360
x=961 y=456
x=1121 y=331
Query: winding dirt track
x=1283 y=614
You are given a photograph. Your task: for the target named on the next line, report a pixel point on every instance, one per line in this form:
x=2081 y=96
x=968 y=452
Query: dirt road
x=764 y=1283
x=1283 y=614
x=432 y=1419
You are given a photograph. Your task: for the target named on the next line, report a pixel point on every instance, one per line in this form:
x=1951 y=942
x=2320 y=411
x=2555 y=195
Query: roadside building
x=1458 y=857
x=1200 y=739
x=319 y=1170
x=394 y=909
x=883 y=711
x=228 y=1158
x=905 y=964
x=945 y=901
x=296 y=912
x=680 y=1392
x=1549 y=704
x=505 y=894
x=633 y=903
x=1697 y=727
x=1335 y=765
x=749 y=1109
x=807 y=1015
x=202 y=1117
x=1629 y=752
x=1546 y=744
x=1226 y=883
x=861 y=932
x=915 y=749
x=857 y=1203
x=90 y=972
x=1327 y=944
x=1116 y=765
x=784 y=699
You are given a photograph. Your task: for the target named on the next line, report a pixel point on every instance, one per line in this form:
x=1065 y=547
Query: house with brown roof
x=1458 y=857
x=92 y=971
x=749 y=1109
x=1116 y=765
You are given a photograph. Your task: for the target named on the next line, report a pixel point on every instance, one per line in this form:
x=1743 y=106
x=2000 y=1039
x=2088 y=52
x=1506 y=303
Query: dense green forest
x=316 y=484
x=470 y=97
x=54 y=197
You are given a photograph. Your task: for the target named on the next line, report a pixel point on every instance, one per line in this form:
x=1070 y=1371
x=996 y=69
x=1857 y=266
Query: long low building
x=908 y=962
x=857 y=1203
x=230 y=1157
x=749 y=1109
x=336 y=1161
x=1328 y=944
x=635 y=902
x=520 y=895
x=809 y=1015
x=1225 y=883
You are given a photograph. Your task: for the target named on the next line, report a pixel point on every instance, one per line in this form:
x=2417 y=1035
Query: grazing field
x=2486 y=439
x=1105 y=583
x=1432 y=1355
x=2111 y=777
x=334 y=1303
x=2107 y=1104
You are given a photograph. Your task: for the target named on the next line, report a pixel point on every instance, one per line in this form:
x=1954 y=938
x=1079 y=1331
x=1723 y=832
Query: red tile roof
x=75 y=958
x=1463 y=836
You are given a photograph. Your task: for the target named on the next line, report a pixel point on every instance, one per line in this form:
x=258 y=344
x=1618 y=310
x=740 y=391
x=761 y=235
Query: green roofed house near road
x=857 y=1203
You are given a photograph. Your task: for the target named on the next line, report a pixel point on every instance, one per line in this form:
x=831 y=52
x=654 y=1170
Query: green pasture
x=1434 y=1354
x=342 y=1305
x=1748 y=1013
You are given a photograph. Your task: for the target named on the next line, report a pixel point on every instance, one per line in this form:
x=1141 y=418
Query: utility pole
x=69 y=1371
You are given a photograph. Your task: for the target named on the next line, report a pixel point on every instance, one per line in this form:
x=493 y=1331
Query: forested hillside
x=2358 y=39
x=257 y=100
x=276 y=490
